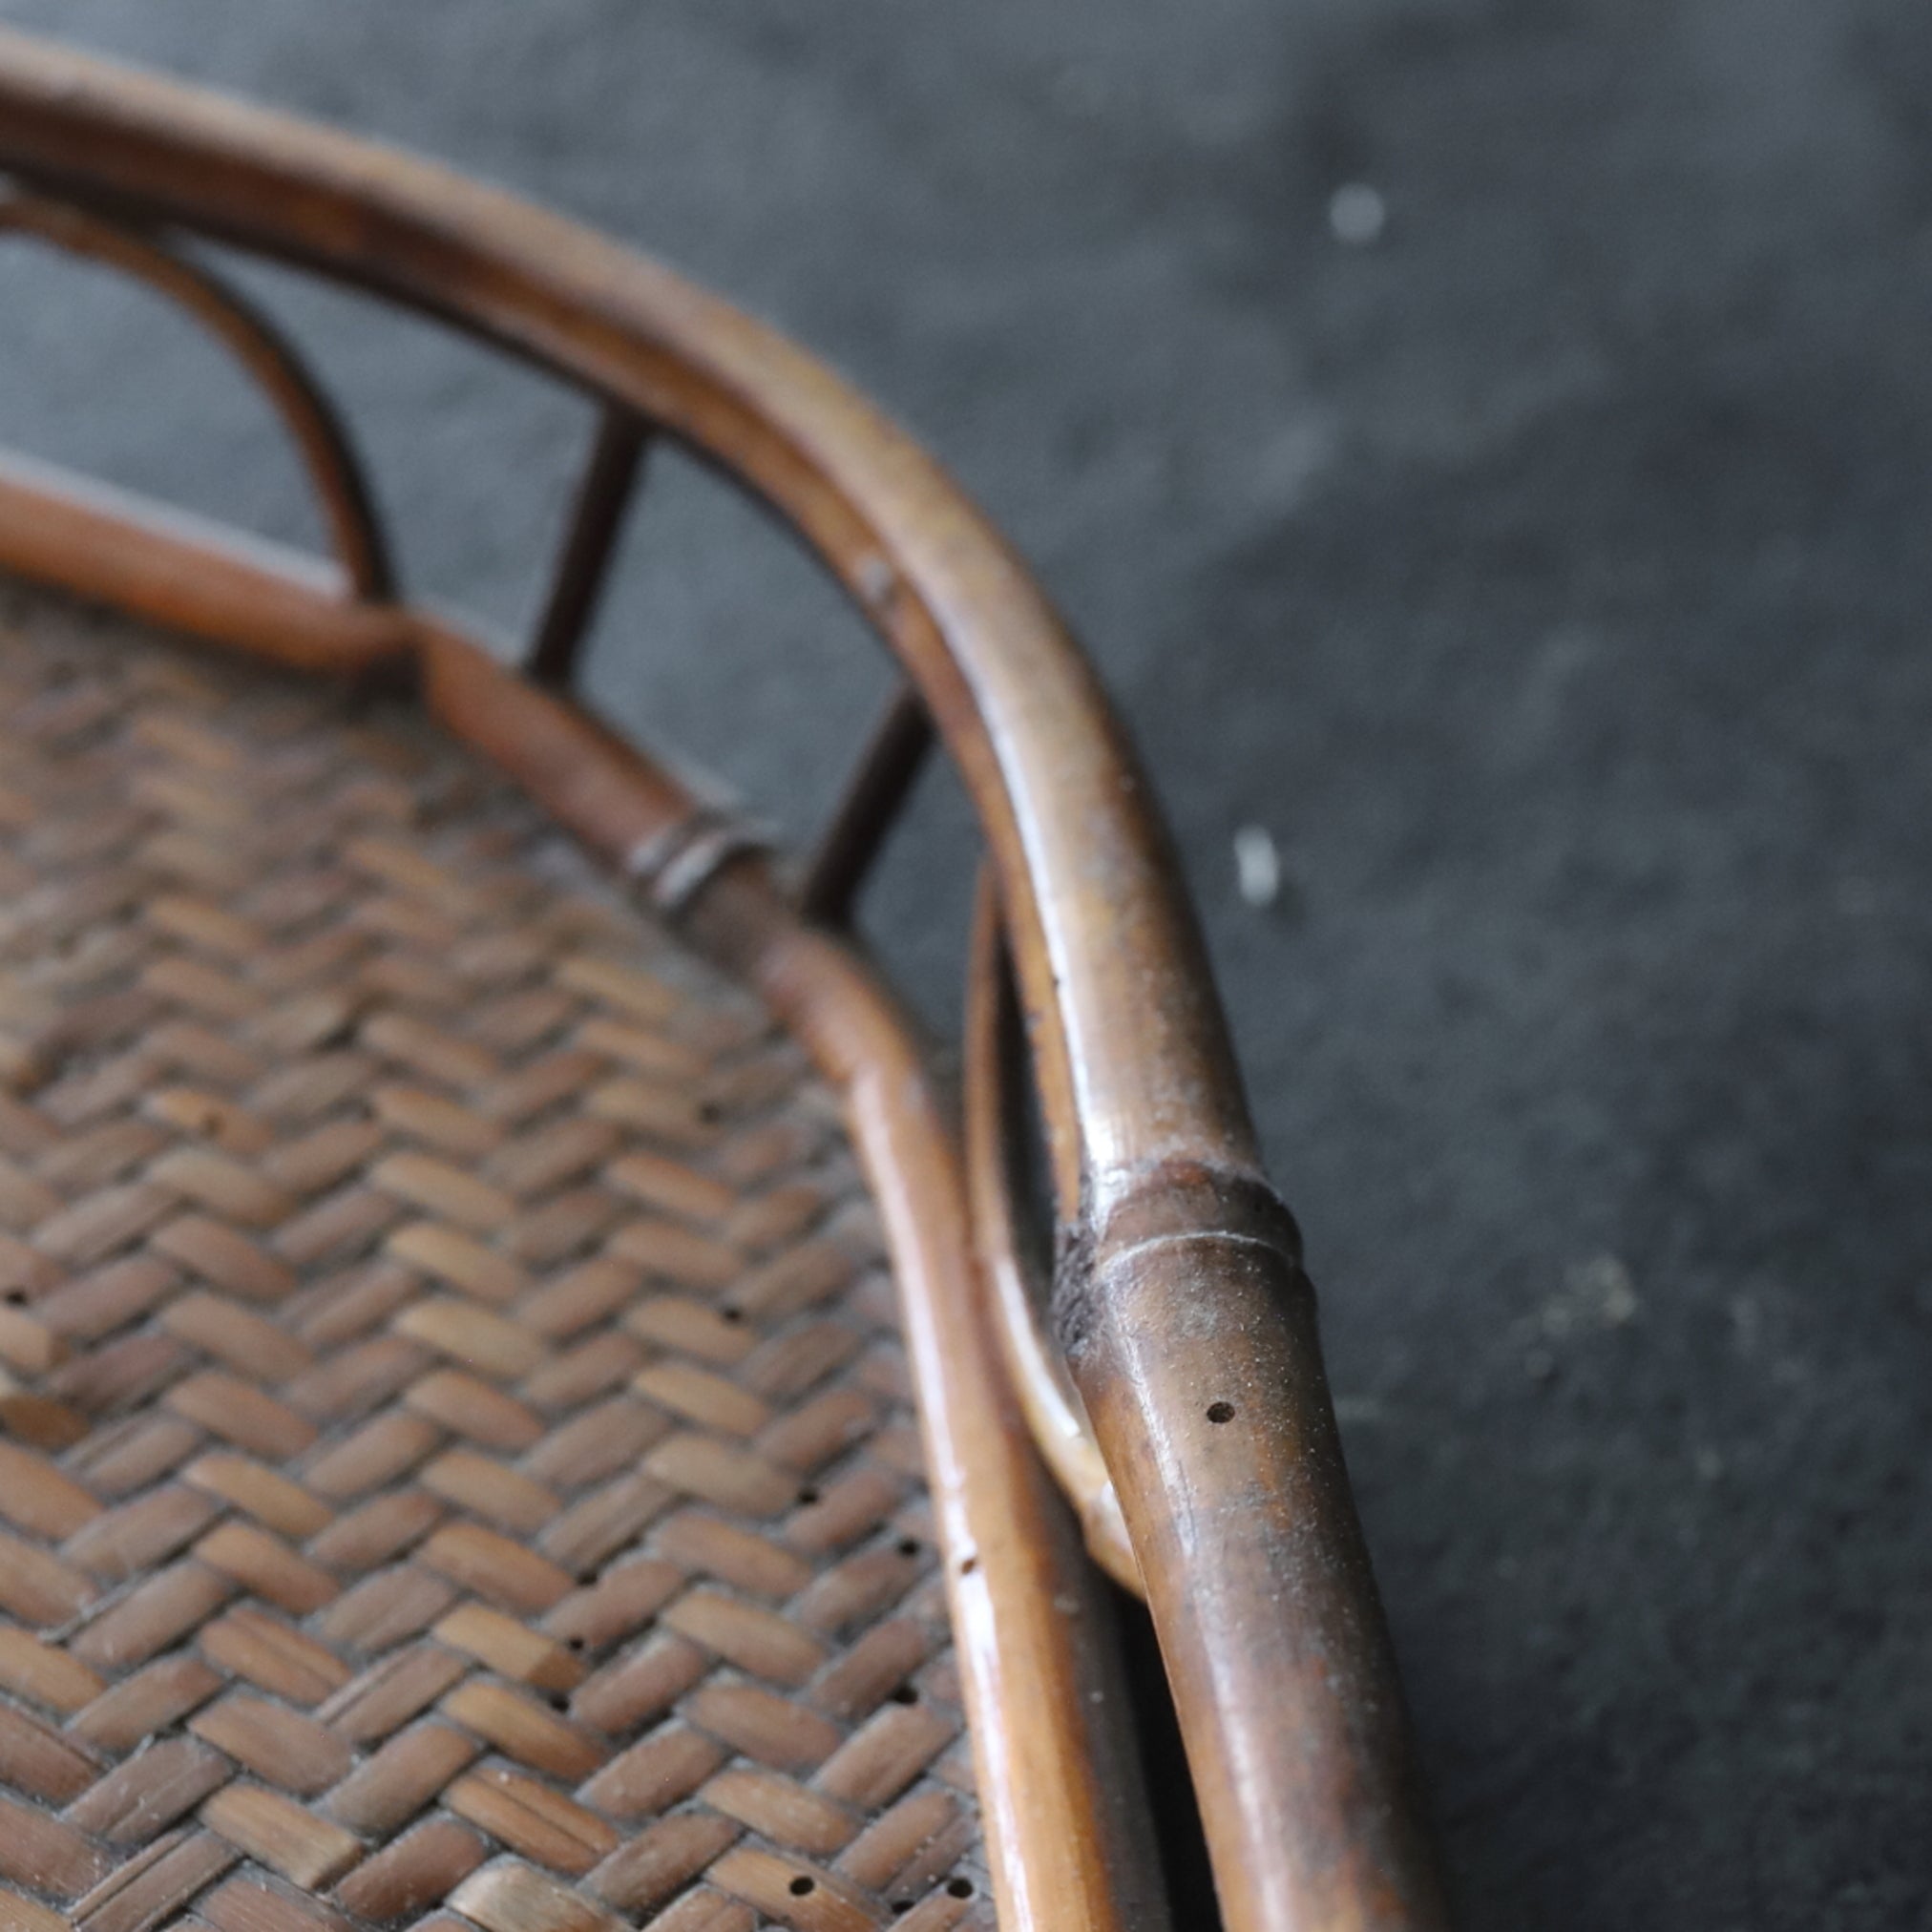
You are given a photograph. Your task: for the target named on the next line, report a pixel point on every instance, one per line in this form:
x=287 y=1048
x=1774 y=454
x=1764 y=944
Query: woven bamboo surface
x=456 y=1464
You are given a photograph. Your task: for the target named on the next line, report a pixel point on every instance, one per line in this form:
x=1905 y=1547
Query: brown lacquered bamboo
x=1051 y=1731
x=328 y=453
x=610 y=480
x=1180 y=1300
x=1069 y=1839
x=1079 y=844
x=881 y=780
x=1064 y=1810
x=1054 y=1410
x=187 y=572
x=1059 y=1780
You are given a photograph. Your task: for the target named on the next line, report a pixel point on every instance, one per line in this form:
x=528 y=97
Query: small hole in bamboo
x=731 y=1315
x=960 y=1888
x=1221 y=1412
x=908 y=1546
x=808 y=1495
x=905 y=1694
x=15 y=1297
x=801 y=1887
x=968 y=1566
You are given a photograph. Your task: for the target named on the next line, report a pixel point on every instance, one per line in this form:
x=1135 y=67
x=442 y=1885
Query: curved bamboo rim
x=1055 y=1413
x=334 y=466
x=1068 y=817
x=1178 y=1297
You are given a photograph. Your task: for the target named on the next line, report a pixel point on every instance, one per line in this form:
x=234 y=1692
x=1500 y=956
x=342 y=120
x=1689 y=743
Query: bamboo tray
x=521 y=1406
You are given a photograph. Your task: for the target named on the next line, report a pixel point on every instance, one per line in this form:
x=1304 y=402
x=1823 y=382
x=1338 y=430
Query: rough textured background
x=1550 y=576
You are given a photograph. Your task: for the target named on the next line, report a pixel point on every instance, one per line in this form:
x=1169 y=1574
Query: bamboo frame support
x=1187 y=1323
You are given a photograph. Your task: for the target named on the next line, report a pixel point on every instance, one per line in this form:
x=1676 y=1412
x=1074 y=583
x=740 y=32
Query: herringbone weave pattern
x=456 y=1462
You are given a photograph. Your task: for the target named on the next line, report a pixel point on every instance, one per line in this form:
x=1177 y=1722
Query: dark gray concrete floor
x=1549 y=576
